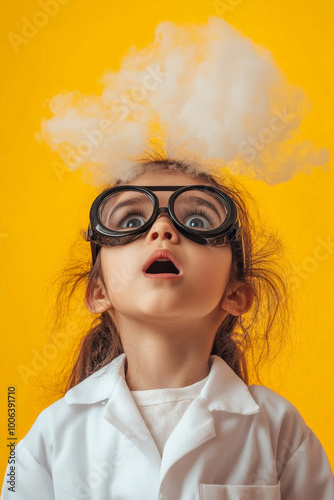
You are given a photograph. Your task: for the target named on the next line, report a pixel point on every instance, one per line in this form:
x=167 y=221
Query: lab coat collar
x=99 y=386
x=223 y=390
x=226 y=391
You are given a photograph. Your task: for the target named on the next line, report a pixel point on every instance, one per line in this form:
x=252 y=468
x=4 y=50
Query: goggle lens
x=125 y=210
x=199 y=210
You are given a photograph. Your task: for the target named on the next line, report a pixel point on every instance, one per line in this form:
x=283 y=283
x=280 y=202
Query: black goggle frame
x=99 y=235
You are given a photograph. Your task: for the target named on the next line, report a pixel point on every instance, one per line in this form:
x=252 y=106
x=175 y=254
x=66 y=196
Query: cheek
x=213 y=276
x=117 y=269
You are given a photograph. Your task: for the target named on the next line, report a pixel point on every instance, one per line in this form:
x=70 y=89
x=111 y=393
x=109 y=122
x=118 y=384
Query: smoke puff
x=198 y=91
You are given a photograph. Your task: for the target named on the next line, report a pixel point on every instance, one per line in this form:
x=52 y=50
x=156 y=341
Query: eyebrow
x=201 y=201
x=130 y=202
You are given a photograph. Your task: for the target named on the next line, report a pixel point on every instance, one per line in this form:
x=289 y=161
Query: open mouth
x=162 y=266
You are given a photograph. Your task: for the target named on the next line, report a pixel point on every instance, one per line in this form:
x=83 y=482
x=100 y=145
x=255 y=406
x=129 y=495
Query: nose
x=164 y=229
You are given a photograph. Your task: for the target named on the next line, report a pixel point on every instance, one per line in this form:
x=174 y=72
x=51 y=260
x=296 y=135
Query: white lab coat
x=233 y=443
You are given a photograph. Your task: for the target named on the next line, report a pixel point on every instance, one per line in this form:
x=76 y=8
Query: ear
x=238 y=300
x=96 y=299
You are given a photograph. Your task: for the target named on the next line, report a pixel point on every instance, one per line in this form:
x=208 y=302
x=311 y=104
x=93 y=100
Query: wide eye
x=199 y=210
x=133 y=222
x=196 y=222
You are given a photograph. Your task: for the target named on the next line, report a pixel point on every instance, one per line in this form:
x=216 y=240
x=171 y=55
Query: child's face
x=192 y=295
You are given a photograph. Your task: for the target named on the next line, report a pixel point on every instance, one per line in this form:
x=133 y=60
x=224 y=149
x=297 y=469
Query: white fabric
x=162 y=409
x=233 y=443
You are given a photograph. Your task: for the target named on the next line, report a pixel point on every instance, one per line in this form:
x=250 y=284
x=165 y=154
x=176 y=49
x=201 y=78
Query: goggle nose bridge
x=162 y=210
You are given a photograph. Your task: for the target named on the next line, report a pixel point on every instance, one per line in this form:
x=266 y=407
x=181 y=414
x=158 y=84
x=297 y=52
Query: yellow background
x=44 y=208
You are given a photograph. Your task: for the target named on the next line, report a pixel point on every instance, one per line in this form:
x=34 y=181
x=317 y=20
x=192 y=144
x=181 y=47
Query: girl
x=158 y=405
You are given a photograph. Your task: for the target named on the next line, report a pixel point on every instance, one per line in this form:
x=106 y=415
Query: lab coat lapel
x=195 y=428
x=121 y=411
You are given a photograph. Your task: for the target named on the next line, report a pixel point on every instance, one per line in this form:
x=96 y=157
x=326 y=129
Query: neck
x=165 y=356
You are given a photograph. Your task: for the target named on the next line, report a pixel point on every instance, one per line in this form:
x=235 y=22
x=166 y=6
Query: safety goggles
x=122 y=214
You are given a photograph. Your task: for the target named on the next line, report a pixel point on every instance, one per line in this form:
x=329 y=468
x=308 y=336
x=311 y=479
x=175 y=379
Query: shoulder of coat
x=277 y=407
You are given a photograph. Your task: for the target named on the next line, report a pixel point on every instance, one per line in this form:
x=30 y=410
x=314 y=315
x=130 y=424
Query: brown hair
x=244 y=342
